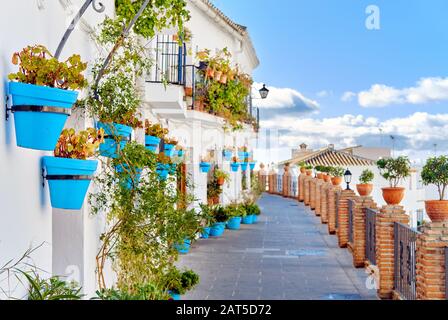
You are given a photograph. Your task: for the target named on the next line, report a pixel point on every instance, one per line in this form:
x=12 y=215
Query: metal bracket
x=63 y=177
x=7 y=109
x=97 y=5
x=44 y=109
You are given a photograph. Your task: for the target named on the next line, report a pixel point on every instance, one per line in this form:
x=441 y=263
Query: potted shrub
x=170 y=144
x=188 y=91
x=302 y=166
x=207 y=220
x=309 y=170
x=205 y=164
x=180 y=151
x=43 y=93
x=69 y=172
x=435 y=172
x=394 y=170
x=221 y=176
x=337 y=173
x=319 y=172
x=220 y=218
x=163 y=166
x=235 y=213
x=235 y=164
x=327 y=176
x=252 y=211
x=365 y=187
x=154 y=133
x=178 y=283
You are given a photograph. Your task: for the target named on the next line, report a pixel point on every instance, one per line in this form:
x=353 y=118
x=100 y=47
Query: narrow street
x=288 y=254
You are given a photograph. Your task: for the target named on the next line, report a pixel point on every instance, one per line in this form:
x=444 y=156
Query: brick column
x=359 y=230
x=319 y=183
x=302 y=187
x=272 y=183
x=286 y=184
x=385 y=221
x=431 y=267
x=313 y=193
x=342 y=230
x=307 y=189
x=324 y=202
x=332 y=194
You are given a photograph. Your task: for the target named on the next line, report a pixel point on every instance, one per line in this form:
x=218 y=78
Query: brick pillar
x=319 y=184
x=385 y=221
x=342 y=230
x=324 y=202
x=286 y=183
x=307 y=190
x=272 y=183
x=302 y=187
x=359 y=230
x=332 y=194
x=313 y=193
x=431 y=267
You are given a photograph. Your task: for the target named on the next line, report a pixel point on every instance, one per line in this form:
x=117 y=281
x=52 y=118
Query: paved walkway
x=287 y=255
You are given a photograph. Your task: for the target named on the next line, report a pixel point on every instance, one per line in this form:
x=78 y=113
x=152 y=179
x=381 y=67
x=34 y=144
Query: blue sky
x=322 y=49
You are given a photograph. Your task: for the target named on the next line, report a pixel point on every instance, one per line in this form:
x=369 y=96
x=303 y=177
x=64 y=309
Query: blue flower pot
x=255 y=218
x=235 y=166
x=129 y=183
x=205 y=167
x=242 y=155
x=169 y=150
x=35 y=129
x=66 y=193
x=252 y=165
x=174 y=296
x=234 y=223
x=227 y=154
x=152 y=143
x=183 y=248
x=205 y=233
x=244 y=166
x=180 y=153
x=163 y=170
x=217 y=229
x=248 y=219
x=112 y=131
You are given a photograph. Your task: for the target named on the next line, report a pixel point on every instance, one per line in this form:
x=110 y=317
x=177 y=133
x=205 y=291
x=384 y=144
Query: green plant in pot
x=302 y=166
x=326 y=173
x=309 y=169
x=365 y=186
x=221 y=176
x=319 y=172
x=337 y=173
x=177 y=283
x=435 y=172
x=394 y=170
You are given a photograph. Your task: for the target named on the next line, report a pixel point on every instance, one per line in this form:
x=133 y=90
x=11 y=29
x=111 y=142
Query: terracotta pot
x=213 y=201
x=210 y=73
x=189 y=91
x=223 y=79
x=437 y=210
x=364 y=190
x=393 y=196
x=218 y=75
x=309 y=172
x=221 y=181
x=199 y=105
x=327 y=178
x=302 y=170
x=320 y=176
x=336 y=181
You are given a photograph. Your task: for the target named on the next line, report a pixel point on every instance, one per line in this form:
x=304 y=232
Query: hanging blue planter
x=247 y=220
x=244 y=166
x=174 y=296
x=234 y=223
x=169 y=150
x=227 y=154
x=252 y=165
x=242 y=155
x=235 y=166
x=129 y=183
x=205 y=167
x=68 y=180
x=217 y=229
x=180 y=153
x=205 y=233
x=112 y=131
x=152 y=143
x=39 y=114
x=163 y=170
x=183 y=248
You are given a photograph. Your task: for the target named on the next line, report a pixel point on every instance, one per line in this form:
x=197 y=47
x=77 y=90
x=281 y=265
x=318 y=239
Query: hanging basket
x=169 y=150
x=235 y=166
x=40 y=114
x=68 y=180
x=163 y=171
x=227 y=154
x=152 y=143
x=244 y=166
x=205 y=167
x=116 y=136
x=252 y=165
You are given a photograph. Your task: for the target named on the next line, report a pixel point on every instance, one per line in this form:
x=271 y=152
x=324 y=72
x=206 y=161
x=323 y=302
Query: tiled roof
x=240 y=28
x=331 y=157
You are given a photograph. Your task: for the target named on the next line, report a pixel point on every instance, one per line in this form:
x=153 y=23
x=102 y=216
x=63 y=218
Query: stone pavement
x=287 y=255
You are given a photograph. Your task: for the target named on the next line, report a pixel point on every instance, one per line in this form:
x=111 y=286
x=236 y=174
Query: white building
x=71 y=239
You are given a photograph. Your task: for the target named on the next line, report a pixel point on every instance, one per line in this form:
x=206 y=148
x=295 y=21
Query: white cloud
x=284 y=98
x=348 y=96
x=324 y=94
x=426 y=90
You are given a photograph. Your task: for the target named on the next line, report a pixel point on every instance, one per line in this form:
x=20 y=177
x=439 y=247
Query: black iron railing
x=371 y=235
x=405 y=255
x=350 y=220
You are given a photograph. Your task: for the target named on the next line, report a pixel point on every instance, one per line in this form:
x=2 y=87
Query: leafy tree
x=435 y=172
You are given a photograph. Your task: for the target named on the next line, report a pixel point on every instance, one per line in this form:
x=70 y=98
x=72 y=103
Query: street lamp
x=264 y=92
x=348 y=178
